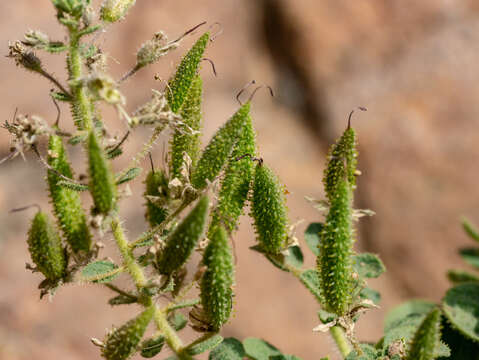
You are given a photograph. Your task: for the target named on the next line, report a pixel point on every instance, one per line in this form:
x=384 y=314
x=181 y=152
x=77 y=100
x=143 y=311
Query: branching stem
x=340 y=339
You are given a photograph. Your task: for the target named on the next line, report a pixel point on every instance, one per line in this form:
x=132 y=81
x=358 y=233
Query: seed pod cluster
x=45 y=247
x=184 y=238
x=219 y=148
x=216 y=292
x=113 y=10
x=269 y=210
x=180 y=84
x=121 y=343
x=426 y=339
x=186 y=138
x=66 y=202
x=102 y=181
x=156 y=191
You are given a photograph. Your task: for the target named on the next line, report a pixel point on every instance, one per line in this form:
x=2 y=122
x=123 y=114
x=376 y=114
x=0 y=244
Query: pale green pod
x=114 y=10
x=183 y=240
x=179 y=85
x=66 y=202
x=45 y=247
x=426 y=339
x=219 y=149
x=216 y=283
x=186 y=139
x=121 y=343
x=269 y=210
x=102 y=180
x=156 y=185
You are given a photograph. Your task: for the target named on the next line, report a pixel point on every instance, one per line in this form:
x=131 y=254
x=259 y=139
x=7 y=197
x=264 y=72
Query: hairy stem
x=172 y=339
x=340 y=339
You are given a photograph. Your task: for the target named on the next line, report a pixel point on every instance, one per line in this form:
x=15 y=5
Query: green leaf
x=204 y=344
x=100 y=271
x=368 y=265
x=284 y=357
x=311 y=236
x=470 y=229
x=229 y=349
x=460 y=276
x=461 y=307
x=418 y=307
x=310 y=279
x=129 y=175
x=258 y=349
x=369 y=353
x=177 y=320
x=121 y=300
x=293 y=259
x=77 y=139
x=60 y=96
x=151 y=347
x=425 y=342
x=462 y=347
x=373 y=295
x=113 y=153
x=470 y=256
x=326 y=317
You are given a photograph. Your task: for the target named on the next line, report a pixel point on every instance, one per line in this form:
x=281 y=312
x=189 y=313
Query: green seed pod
x=102 y=180
x=335 y=251
x=269 y=210
x=184 y=238
x=236 y=183
x=219 y=148
x=156 y=191
x=121 y=343
x=45 y=247
x=216 y=292
x=426 y=339
x=180 y=84
x=66 y=202
x=186 y=139
x=113 y=10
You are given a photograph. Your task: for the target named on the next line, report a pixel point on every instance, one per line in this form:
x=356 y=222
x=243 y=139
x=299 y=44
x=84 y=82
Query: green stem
x=340 y=340
x=172 y=339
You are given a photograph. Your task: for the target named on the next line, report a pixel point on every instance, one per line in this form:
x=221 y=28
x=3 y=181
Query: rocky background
x=412 y=64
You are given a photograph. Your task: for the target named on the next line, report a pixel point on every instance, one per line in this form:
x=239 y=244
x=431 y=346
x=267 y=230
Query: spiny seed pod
x=344 y=151
x=66 y=202
x=184 y=238
x=156 y=191
x=186 y=138
x=269 y=210
x=335 y=251
x=180 y=84
x=426 y=338
x=45 y=247
x=219 y=148
x=236 y=183
x=114 y=10
x=216 y=293
x=102 y=181
x=121 y=343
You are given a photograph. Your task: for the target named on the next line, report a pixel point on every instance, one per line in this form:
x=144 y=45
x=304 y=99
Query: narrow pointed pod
x=45 y=247
x=156 y=190
x=219 y=149
x=269 y=210
x=426 y=339
x=181 y=243
x=216 y=293
x=179 y=85
x=186 y=139
x=236 y=182
x=66 y=202
x=102 y=181
x=122 y=343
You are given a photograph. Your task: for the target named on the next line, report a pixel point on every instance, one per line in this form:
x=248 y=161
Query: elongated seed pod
x=269 y=210
x=236 y=182
x=45 y=247
x=216 y=292
x=180 y=84
x=218 y=150
x=184 y=238
x=156 y=190
x=66 y=202
x=335 y=251
x=426 y=339
x=114 y=10
x=121 y=343
x=186 y=139
x=102 y=181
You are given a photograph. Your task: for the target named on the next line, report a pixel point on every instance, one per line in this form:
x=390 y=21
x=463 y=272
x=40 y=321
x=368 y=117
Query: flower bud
x=114 y=10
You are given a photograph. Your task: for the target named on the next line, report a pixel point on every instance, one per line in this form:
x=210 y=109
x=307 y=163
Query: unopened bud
x=115 y=10
x=152 y=50
x=24 y=57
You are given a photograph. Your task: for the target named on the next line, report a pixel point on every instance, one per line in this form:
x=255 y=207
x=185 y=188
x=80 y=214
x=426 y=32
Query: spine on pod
x=156 y=195
x=269 y=210
x=180 y=84
x=102 y=181
x=184 y=238
x=426 y=339
x=219 y=148
x=186 y=138
x=236 y=183
x=114 y=10
x=121 y=343
x=45 y=247
x=66 y=202
x=216 y=283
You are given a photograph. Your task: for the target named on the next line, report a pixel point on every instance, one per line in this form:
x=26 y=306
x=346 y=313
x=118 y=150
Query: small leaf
x=470 y=256
x=152 y=347
x=460 y=276
x=326 y=317
x=61 y=96
x=100 y=271
x=368 y=265
x=113 y=153
x=121 y=300
x=368 y=353
x=293 y=259
x=72 y=185
x=284 y=357
x=311 y=236
x=129 y=175
x=373 y=295
x=413 y=307
x=258 y=349
x=426 y=339
x=77 y=139
x=310 y=279
x=229 y=349
x=177 y=320
x=470 y=229
x=204 y=344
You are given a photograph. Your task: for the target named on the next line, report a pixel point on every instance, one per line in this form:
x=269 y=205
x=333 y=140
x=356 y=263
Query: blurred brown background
x=412 y=64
